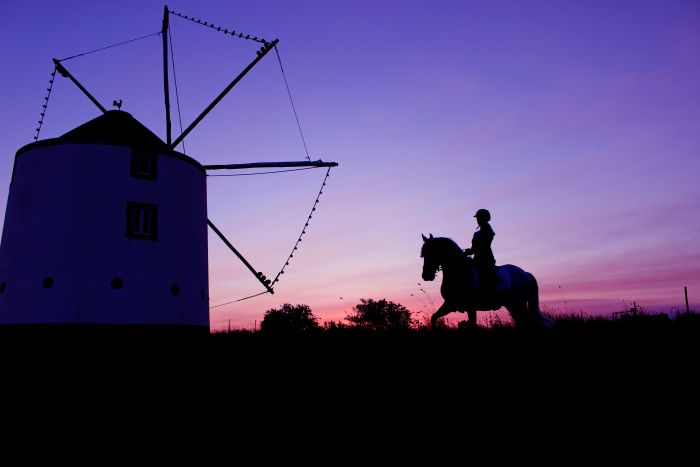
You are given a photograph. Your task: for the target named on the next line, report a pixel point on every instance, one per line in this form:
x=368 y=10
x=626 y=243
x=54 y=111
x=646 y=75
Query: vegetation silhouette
x=380 y=315
x=516 y=289
x=290 y=319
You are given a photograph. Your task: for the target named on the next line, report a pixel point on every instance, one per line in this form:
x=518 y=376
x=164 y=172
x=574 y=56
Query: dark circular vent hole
x=117 y=283
x=201 y=292
x=175 y=289
x=3 y=286
x=47 y=283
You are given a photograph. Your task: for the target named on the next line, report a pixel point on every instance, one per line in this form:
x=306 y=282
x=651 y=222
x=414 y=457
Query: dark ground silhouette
x=626 y=384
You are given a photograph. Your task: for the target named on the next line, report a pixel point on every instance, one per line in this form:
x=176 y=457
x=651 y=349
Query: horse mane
x=448 y=245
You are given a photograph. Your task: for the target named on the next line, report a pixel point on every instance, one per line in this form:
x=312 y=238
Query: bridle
x=438 y=267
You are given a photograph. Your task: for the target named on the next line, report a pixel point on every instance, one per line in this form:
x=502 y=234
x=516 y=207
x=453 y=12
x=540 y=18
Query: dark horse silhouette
x=516 y=289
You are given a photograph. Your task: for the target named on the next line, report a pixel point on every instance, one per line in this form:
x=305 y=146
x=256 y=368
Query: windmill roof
x=117 y=128
x=114 y=128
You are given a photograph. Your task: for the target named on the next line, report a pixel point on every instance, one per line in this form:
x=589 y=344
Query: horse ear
x=424 y=239
x=431 y=235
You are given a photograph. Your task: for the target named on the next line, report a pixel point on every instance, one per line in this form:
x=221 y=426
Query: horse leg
x=442 y=311
x=518 y=313
x=471 y=314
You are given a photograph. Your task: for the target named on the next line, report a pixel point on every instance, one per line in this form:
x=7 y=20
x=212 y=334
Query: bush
x=290 y=320
x=380 y=315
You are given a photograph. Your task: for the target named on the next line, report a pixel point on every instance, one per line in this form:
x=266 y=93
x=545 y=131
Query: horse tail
x=533 y=300
x=533 y=305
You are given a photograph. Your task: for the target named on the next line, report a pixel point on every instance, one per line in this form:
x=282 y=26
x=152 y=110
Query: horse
x=515 y=289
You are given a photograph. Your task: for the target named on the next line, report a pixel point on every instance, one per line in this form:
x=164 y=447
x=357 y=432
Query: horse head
x=430 y=261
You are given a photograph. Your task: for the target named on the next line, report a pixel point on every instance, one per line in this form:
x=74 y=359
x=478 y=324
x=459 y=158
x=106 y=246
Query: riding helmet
x=483 y=214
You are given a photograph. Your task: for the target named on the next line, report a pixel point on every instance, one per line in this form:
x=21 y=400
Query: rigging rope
x=296 y=246
x=218 y=28
x=279 y=59
x=46 y=103
x=177 y=94
x=109 y=46
x=303 y=230
x=239 y=300
x=53 y=76
x=262 y=41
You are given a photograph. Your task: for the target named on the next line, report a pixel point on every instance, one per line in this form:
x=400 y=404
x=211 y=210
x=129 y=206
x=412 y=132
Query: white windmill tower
x=107 y=224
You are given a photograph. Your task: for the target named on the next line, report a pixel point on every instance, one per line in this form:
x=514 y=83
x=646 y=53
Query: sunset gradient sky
x=577 y=124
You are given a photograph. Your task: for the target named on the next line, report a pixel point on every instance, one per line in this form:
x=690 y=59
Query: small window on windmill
x=143 y=164
x=141 y=220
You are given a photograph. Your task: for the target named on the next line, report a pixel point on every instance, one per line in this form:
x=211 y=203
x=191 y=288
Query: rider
x=484 y=260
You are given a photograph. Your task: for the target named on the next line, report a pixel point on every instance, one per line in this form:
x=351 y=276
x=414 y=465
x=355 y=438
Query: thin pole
x=66 y=74
x=261 y=53
x=257 y=165
x=166 y=89
x=687 y=306
x=257 y=274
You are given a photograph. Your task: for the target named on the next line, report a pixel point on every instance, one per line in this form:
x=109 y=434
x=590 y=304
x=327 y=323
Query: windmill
x=107 y=224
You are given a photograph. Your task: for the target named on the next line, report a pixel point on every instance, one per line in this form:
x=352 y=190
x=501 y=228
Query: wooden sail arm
x=258 y=165
x=66 y=74
x=261 y=53
x=258 y=275
x=166 y=81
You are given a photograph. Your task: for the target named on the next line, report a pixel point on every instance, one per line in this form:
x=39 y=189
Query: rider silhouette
x=484 y=261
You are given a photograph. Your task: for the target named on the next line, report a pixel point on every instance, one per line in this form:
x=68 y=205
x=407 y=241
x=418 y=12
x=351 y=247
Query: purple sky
x=577 y=124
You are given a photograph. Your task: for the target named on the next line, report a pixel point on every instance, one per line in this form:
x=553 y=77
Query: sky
x=577 y=124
